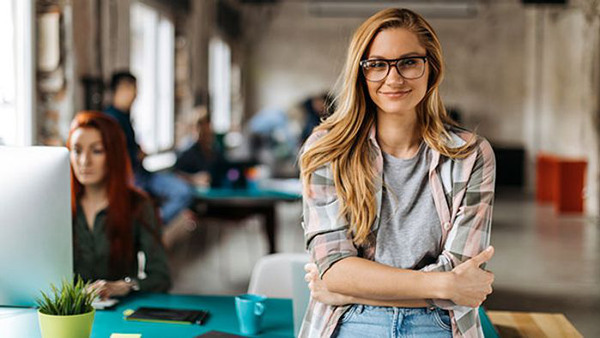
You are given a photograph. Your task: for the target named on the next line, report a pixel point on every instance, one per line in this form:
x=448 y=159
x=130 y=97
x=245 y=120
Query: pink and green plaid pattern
x=463 y=191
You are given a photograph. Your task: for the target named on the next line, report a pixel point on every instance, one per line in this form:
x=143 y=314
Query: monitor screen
x=35 y=222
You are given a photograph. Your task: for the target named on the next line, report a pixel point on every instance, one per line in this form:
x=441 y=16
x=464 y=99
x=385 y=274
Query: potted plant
x=67 y=312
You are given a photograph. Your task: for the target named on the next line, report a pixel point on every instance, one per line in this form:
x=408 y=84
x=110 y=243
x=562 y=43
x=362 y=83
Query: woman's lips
x=396 y=94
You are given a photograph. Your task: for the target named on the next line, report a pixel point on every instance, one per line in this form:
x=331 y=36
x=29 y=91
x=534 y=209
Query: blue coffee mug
x=250 y=309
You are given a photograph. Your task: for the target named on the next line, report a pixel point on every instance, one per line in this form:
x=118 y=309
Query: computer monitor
x=230 y=174
x=35 y=222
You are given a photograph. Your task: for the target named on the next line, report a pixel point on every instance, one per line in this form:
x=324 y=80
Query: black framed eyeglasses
x=410 y=68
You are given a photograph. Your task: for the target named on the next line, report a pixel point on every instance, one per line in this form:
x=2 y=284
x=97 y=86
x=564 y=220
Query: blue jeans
x=175 y=195
x=363 y=321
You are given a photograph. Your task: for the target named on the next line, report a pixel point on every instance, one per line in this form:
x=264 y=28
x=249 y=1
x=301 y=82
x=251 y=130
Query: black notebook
x=181 y=316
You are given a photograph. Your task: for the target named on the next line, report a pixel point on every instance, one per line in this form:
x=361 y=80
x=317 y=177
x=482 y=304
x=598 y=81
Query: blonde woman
x=397 y=198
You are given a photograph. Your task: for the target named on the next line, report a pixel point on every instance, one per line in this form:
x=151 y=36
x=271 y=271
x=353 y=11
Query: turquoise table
x=240 y=195
x=236 y=204
x=278 y=321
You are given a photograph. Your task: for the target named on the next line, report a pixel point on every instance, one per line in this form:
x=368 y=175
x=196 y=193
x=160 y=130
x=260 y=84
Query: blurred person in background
x=174 y=195
x=316 y=108
x=274 y=141
x=196 y=163
x=112 y=220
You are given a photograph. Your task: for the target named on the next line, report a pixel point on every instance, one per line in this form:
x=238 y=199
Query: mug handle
x=259 y=309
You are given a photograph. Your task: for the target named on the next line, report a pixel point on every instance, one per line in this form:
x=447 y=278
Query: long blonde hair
x=345 y=145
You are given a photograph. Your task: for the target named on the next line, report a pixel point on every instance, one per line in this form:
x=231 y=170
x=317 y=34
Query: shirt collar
x=455 y=140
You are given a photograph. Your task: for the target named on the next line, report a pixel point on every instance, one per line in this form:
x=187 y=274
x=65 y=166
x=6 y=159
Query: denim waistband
x=390 y=309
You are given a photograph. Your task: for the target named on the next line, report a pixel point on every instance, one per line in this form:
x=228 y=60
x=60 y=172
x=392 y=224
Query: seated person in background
x=174 y=194
x=196 y=163
x=112 y=220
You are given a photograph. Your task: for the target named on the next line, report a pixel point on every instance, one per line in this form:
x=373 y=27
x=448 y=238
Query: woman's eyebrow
x=401 y=56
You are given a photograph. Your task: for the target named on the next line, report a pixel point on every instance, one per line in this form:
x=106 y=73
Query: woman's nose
x=394 y=76
x=84 y=158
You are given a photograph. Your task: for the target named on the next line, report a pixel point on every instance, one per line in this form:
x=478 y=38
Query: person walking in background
x=174 y=194
x=397 y=198
x=112 y=220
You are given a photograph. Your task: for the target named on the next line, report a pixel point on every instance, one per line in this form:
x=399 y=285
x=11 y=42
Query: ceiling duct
x=363 y=9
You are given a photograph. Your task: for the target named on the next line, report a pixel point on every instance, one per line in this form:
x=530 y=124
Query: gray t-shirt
x=409 y=235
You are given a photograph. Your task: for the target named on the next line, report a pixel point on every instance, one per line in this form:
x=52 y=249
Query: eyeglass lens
x=409 y=68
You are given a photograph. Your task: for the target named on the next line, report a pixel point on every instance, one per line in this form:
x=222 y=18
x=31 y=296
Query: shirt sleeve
x=326 y=232
x=470 y=232
x=158 y=278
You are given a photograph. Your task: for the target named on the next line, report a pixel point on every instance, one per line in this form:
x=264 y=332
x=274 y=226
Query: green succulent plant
x=72 y=298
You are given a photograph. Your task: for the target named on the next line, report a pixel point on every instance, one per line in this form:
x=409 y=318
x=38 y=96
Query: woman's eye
x=408 y=63
x=377 y=64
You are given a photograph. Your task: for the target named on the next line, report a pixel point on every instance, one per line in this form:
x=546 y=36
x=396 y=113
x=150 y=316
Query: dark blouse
x=92 y=250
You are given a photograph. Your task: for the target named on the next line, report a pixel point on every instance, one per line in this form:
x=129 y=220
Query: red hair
x=124 y=200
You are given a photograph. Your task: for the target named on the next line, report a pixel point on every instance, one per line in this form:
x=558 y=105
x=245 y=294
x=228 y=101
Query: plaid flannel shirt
x=463 y=192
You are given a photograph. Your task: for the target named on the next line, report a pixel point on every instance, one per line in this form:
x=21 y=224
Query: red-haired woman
x=112 y=220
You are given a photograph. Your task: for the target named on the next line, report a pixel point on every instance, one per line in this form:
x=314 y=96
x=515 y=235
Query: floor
x=543 y=262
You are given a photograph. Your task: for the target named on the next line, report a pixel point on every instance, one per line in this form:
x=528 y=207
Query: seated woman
x=112 y=220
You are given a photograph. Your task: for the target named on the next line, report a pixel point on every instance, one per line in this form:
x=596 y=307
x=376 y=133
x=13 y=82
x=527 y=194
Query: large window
x=16 y=69
x=220 y=84
x=152 y=62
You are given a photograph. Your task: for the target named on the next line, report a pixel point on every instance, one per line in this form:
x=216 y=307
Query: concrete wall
x=485 y=58
x=566 y=109
x=296 y=55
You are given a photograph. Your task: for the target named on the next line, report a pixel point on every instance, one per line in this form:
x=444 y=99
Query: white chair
x=282 y=276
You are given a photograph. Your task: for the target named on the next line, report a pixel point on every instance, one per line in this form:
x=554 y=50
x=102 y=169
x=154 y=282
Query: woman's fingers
x=310 y=267
x=307 y=267
x=97 y=287
x=310 y=276
x=484 y=256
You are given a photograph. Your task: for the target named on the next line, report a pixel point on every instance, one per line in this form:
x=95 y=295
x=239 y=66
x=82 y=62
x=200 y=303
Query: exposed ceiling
x=363 y=8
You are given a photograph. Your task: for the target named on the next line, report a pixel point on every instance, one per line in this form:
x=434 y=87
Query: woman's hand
x=201 y=179
x=470 y=285
x=105 y=289
x=318 y=289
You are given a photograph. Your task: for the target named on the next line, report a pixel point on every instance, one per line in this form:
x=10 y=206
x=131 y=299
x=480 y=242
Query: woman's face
x=395 y=94
x=88 y=156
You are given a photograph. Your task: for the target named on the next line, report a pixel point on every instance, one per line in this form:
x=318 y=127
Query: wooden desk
x=231 y=204
x=532 y=324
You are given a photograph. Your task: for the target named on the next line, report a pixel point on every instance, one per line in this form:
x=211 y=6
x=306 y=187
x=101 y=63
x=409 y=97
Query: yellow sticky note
x=125 y=335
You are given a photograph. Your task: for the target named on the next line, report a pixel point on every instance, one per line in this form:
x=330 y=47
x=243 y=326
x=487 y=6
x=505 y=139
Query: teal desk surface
x=222 y=193
x=277 y=322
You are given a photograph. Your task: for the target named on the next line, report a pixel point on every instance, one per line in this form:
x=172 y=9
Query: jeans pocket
x=349 y=314
x=442 y=319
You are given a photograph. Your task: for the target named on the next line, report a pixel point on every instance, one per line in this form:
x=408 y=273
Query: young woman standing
x=397 y=198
